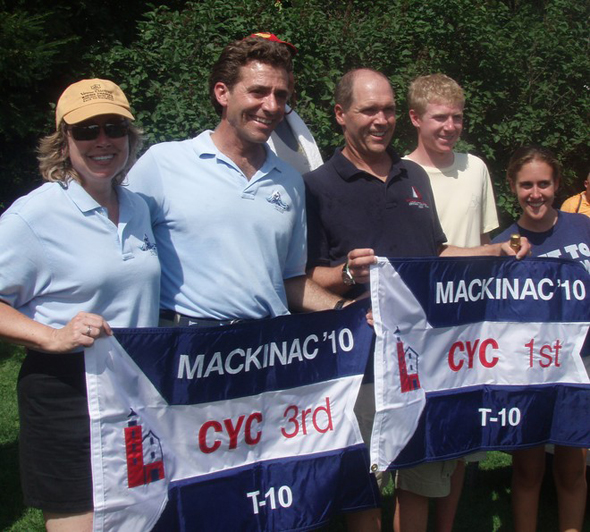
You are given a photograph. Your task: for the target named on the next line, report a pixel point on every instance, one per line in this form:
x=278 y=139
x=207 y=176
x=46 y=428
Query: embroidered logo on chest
x=148 y=246
x=416 y=200
x=279 y=204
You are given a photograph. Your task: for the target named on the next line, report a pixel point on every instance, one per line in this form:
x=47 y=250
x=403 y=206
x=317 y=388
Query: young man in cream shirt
x=464 y=201
x=460 y=181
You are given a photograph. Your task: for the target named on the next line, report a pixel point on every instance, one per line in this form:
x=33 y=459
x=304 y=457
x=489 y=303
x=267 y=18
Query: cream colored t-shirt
x=464 y=199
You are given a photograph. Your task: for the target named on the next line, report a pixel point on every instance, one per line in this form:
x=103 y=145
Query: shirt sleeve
x=317 y=241
x=489 y=212
x=297 y=254
x=144 y=178
x=439 y=235
x=570 y=204
x=24 y=271
x=505 y=235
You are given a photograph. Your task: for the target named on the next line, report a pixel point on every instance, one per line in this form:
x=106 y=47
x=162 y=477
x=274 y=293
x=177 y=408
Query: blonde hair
x=54 y=158
x=435 y=88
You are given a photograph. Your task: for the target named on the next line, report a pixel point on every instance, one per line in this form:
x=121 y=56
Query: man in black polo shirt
x=366 y=201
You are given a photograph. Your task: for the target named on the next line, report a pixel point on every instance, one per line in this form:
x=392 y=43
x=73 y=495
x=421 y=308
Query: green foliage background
x=524 y=64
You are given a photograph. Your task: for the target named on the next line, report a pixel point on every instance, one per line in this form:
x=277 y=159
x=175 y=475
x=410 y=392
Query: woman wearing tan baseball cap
x=78 y=258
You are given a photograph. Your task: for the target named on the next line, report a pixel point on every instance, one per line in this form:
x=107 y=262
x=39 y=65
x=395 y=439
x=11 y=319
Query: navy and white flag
x=478 y=353
x=245 y=427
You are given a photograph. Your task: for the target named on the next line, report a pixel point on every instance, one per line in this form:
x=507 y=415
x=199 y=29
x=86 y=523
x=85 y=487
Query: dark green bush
x=524 y=65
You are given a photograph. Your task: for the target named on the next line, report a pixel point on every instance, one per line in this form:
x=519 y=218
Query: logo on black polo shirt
x=275 y=199
x=416 y=200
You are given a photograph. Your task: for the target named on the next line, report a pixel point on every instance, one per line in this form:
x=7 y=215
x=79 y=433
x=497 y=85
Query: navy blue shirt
x=348 y=208
x=569 y=238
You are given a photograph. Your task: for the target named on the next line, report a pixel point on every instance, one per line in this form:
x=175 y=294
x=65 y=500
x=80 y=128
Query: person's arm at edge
x=494 y=250
x=305 y=295
x=19 y=329
x=330 y=277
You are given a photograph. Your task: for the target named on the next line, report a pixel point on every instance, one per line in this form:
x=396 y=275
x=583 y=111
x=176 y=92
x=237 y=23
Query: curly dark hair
x=238 y=54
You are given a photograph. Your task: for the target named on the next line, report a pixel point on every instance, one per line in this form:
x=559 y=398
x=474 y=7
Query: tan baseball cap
x=91 y=97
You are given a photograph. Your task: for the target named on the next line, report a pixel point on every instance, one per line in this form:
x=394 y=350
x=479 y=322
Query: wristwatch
x=347 y=277
x=340 y=304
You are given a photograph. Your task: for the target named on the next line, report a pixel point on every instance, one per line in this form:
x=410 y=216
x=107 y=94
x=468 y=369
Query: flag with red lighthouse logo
x=245 y=427
x=478 y=353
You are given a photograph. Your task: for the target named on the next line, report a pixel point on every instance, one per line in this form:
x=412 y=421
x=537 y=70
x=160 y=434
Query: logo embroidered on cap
x=275 y=199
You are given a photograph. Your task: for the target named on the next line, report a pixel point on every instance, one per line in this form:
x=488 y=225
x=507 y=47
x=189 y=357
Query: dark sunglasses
x=91 y=131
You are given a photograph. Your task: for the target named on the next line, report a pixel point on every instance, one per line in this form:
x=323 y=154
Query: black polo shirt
x=348 y=208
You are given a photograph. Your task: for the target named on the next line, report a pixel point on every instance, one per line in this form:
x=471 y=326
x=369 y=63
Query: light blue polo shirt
x=60 y=254
x=225 y=243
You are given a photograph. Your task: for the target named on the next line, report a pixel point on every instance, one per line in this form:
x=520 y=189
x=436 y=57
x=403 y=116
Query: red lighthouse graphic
x=408 y=366
x=145 y=461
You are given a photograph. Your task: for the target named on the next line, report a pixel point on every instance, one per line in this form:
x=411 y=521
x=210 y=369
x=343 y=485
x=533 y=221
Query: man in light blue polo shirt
x=228 y=215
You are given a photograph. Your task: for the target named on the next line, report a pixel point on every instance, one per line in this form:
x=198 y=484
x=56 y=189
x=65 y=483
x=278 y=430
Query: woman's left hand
x=80 y=331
